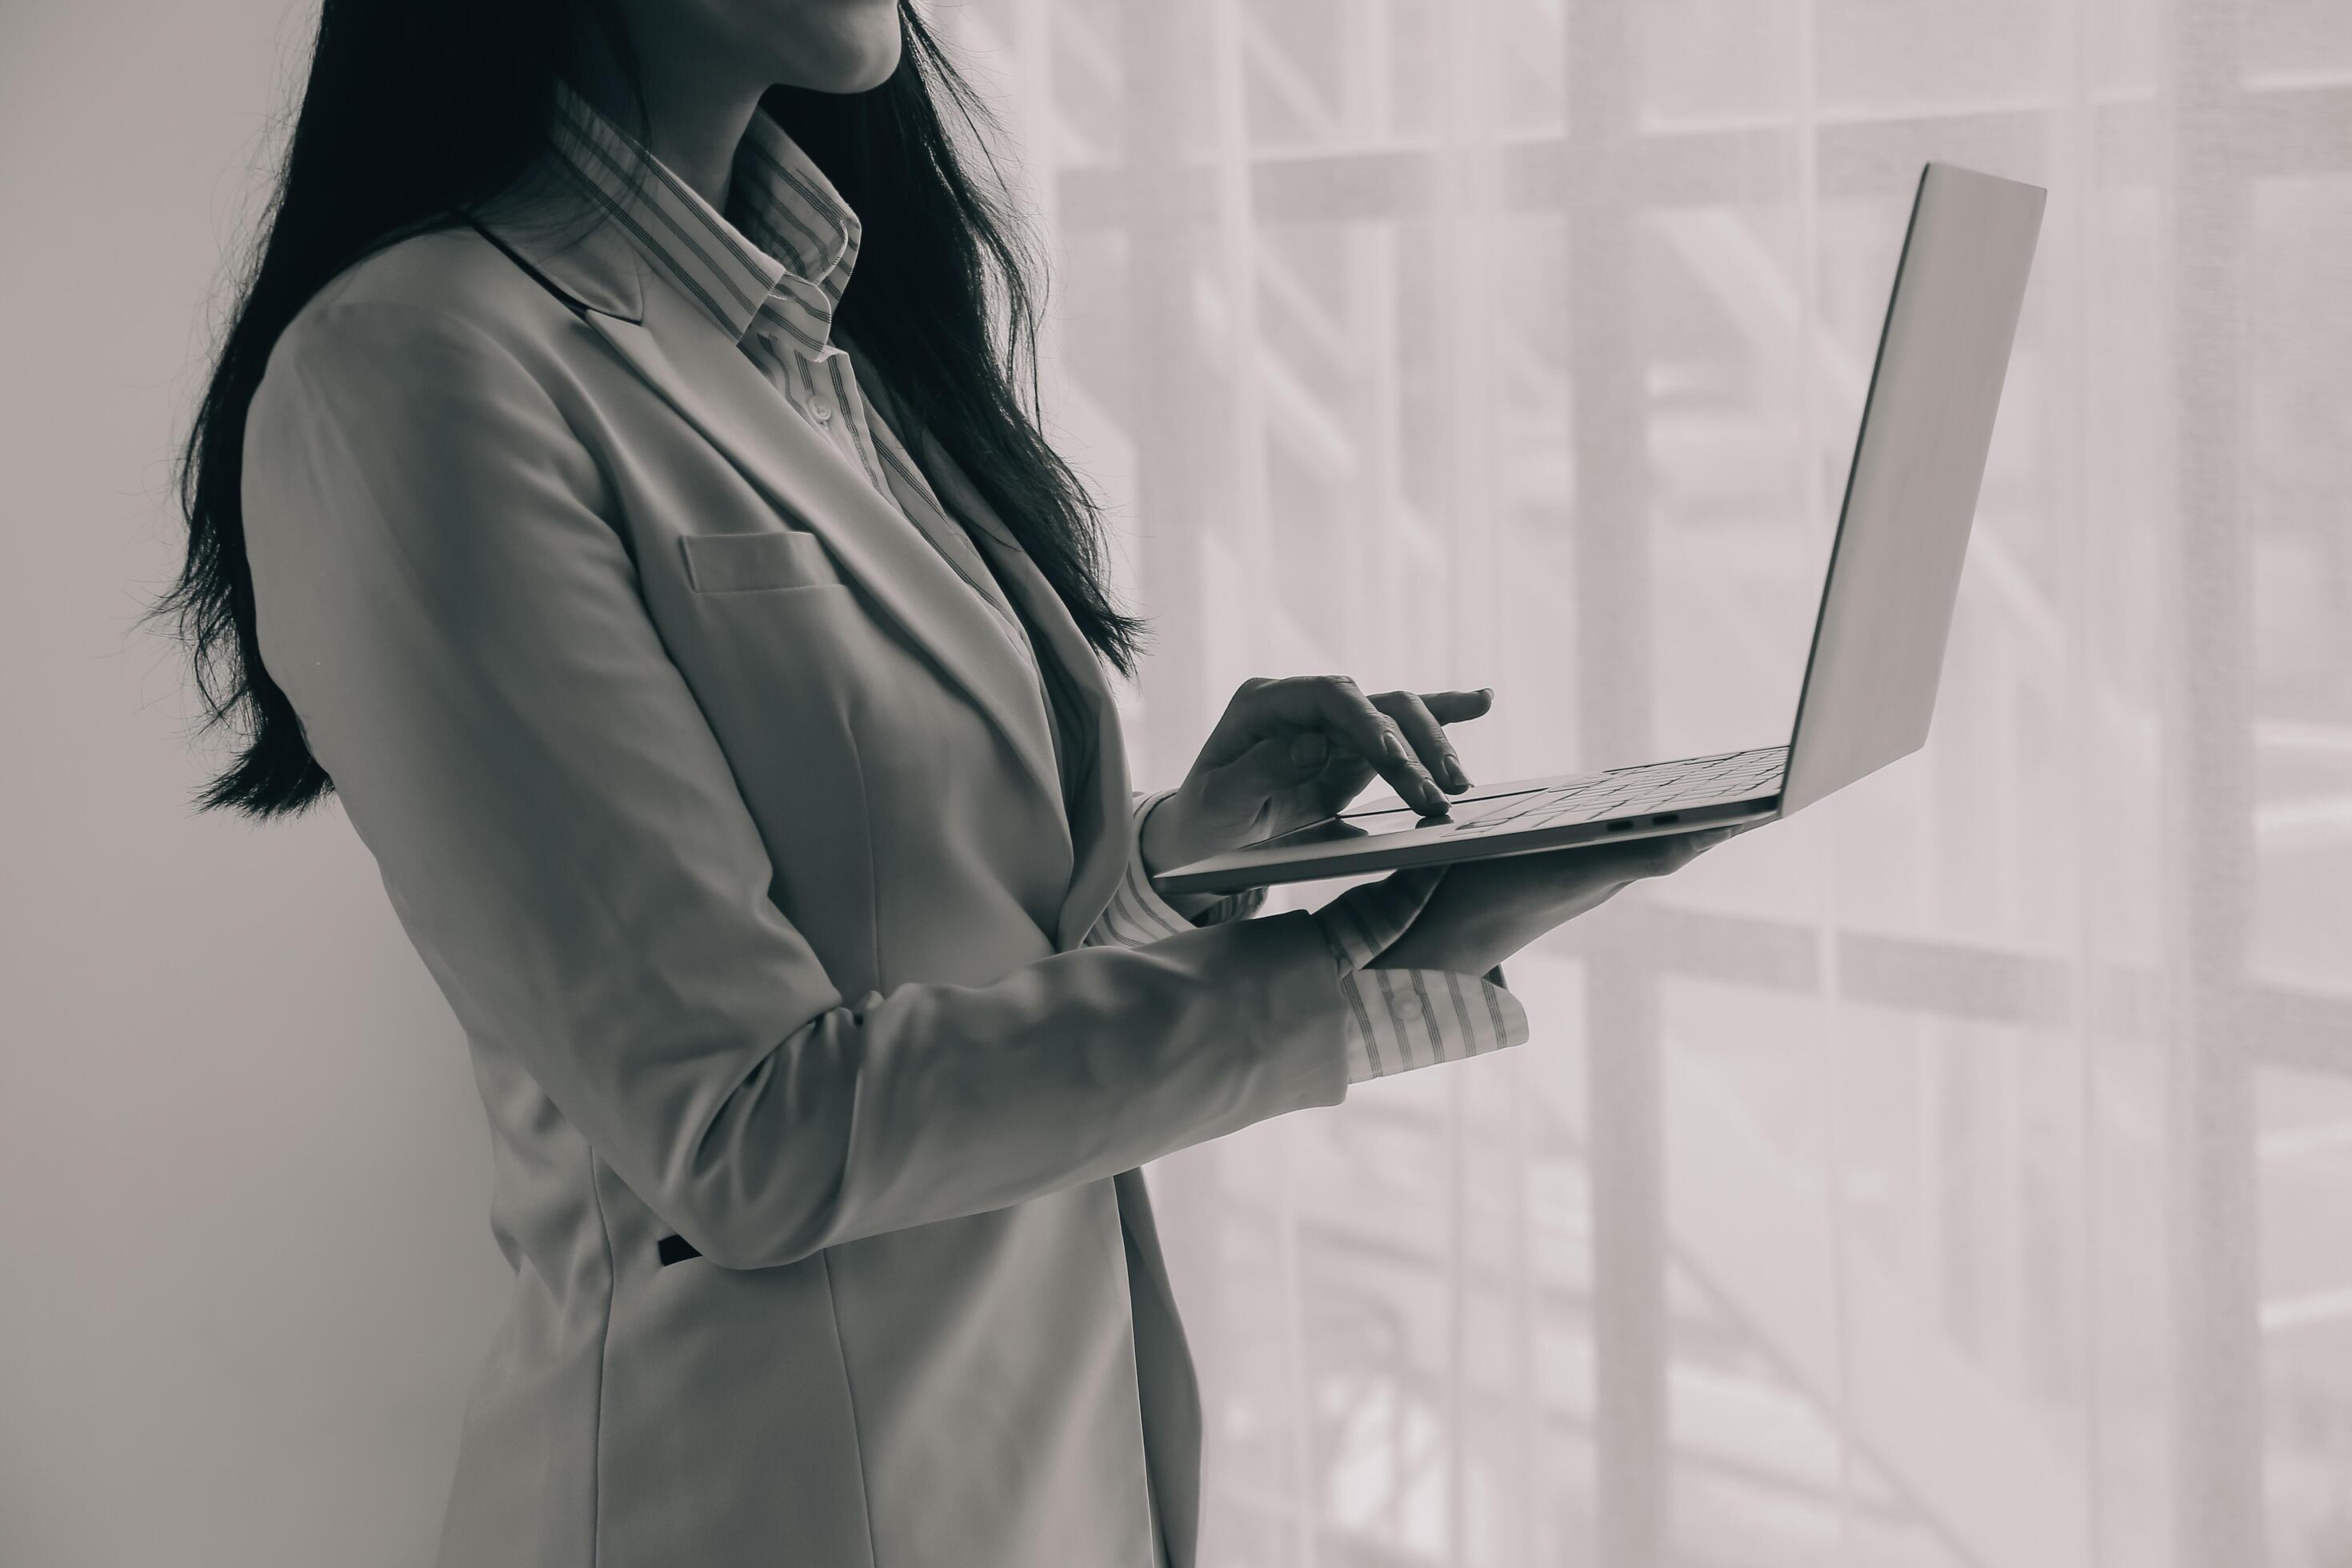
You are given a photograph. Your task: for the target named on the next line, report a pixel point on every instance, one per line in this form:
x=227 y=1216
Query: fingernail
x=1454 y=773
x=1394 y=747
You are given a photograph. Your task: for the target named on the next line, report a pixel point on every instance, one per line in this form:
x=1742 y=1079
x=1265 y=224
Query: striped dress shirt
x=770 y=272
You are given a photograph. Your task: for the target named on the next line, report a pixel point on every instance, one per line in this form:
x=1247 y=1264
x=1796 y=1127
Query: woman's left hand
x=1292 y=752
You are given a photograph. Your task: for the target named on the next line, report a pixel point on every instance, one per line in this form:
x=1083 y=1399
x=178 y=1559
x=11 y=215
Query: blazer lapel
x=1101 y=826
x=1102 y=829
x=710 y=381
x=677 y=350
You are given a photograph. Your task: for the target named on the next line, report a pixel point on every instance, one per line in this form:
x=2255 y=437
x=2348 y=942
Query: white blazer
x=726 y=818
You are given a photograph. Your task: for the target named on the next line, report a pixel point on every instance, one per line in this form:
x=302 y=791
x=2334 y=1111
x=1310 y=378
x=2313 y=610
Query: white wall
x=245 y=1268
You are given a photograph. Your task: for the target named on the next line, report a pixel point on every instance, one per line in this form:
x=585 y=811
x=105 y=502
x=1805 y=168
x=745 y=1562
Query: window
x=1956 y=1174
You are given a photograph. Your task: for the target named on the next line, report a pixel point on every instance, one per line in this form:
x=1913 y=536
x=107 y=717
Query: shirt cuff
x=1400 y=1018
x=1137 y=914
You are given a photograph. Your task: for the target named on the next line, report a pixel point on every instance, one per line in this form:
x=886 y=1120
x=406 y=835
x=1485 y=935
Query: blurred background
x=1958 y=1174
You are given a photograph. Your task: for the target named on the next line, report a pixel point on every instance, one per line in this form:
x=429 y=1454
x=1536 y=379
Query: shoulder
x=419 y=323
x=433 y=361
x=428 y=297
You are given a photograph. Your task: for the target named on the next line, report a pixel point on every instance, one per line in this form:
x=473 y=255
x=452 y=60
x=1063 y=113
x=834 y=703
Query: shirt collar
x=780 y=257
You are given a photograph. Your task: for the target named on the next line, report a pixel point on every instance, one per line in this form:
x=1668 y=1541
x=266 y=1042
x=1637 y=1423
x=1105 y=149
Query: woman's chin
x=849 y=65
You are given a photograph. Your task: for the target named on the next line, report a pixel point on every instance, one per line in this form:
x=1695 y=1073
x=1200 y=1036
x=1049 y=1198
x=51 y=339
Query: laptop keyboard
x=1637 y=792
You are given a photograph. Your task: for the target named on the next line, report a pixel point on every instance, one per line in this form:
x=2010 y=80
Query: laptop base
x=1523 y=818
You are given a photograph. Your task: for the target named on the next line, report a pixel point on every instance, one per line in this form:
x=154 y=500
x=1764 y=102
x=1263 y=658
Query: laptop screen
x=1894 y=571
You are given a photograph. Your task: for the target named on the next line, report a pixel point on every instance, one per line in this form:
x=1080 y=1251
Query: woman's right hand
x=1483 y=911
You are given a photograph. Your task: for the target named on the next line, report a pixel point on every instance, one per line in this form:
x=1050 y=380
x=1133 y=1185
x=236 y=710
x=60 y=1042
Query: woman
x=706 y=645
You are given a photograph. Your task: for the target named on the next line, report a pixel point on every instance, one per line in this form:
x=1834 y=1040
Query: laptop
x=1886 y=599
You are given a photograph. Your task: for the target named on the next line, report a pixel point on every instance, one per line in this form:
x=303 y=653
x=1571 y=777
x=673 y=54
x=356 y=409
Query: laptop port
x=1621 y=825
x=1667 y=816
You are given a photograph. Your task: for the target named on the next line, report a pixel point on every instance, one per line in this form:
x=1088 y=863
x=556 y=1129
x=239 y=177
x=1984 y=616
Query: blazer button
x=820 y=408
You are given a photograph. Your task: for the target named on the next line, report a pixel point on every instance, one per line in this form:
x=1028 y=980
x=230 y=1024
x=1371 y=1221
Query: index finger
x=1335 y=703
x=1452 y=707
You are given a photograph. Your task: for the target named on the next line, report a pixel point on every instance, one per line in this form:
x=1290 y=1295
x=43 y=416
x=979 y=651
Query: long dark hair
x=417 y=108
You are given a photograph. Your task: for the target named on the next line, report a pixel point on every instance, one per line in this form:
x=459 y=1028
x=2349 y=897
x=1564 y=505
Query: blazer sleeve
x=458 y=627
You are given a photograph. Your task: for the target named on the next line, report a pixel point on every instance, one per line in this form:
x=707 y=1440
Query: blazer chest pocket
x=750 y=563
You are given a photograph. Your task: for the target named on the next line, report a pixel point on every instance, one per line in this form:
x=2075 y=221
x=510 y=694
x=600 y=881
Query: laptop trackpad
x=1374 y=824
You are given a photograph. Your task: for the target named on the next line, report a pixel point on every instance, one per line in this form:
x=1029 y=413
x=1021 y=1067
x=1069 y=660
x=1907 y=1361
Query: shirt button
x=820 y=408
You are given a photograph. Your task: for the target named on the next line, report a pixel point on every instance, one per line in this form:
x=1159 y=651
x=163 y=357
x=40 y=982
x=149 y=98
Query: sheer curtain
x=1960 y=1173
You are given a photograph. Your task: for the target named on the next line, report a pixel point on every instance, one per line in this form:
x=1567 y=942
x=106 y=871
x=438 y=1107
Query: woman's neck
x=694 y=116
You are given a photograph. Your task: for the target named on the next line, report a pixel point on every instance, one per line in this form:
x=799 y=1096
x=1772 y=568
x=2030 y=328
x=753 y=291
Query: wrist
x=1155 y=836
x=1160 y=847
x=1465 y=941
